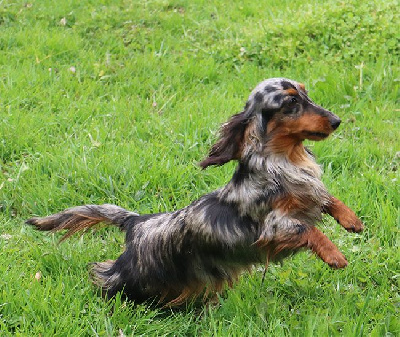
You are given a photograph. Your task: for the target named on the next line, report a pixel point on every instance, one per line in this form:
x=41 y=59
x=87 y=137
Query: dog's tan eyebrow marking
x=302 y=86
x=292 y=92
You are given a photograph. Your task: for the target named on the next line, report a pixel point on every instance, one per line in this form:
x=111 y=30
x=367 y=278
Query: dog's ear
x=229 y=145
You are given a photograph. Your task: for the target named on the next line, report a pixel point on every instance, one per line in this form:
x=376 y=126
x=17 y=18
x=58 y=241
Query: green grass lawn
x=117 y=102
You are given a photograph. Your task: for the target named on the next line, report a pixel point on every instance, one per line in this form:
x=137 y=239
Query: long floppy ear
x=229 y=145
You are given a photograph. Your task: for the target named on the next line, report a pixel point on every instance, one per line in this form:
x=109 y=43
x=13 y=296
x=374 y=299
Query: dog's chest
x=298 y=191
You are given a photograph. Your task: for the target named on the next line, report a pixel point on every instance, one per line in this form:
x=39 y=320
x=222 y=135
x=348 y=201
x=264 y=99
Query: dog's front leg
x=320 y=244
x=292 y=235
x=343 y=215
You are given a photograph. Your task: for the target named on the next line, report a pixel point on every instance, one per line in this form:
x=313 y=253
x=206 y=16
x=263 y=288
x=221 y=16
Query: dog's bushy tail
x=82 y=218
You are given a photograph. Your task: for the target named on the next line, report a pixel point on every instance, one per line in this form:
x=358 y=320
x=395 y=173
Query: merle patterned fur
x=268 y=210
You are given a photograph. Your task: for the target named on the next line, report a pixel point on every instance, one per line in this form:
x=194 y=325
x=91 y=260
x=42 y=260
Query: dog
x=267 y=211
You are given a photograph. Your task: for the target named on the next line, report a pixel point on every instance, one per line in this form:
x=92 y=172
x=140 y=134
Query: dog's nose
x=335 y=123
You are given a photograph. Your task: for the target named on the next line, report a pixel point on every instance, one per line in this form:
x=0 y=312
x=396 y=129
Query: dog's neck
x=284 y=152
x=293 y=149
x=289 y=148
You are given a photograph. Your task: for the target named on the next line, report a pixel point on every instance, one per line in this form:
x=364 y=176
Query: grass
x=117 y=101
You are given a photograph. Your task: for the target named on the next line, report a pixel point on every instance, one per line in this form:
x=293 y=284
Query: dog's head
x=277 y=115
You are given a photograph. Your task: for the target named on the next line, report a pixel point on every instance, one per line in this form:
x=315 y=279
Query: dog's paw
x=350 y=221
x=336 y=260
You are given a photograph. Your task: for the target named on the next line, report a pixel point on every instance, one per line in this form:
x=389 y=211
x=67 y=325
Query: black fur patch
x=132 y=220
x=223 y=217
x=267 y=115
x=269 y=195
x=287 y=85
x=268 y=89
x=300 y=229
x=290 y=110
x=278 y=98
x=258 y=97
x=242 y=173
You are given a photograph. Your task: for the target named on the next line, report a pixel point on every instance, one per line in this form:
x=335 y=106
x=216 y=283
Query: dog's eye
x=291 y=105
x=292 y=101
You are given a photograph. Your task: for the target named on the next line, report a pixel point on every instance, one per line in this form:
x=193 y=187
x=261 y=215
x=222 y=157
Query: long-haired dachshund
x=268 y=210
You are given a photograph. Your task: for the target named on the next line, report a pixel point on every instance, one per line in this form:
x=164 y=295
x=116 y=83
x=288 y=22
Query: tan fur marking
x=294 y=131
x=314 y=123
x=319 y=243
x=309 y=123
x=289 y=203
x=292 y=92
x=185 y=294
x=294 y=150
x=344 y=215
x=313 y=239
